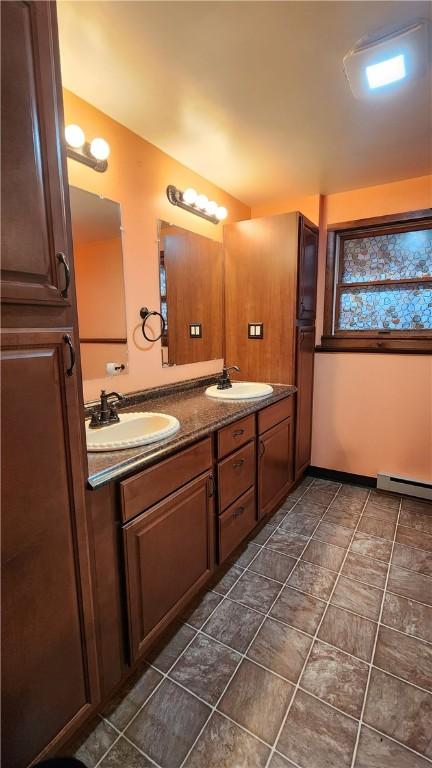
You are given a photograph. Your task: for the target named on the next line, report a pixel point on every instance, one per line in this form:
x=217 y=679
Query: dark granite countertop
x=198 y=415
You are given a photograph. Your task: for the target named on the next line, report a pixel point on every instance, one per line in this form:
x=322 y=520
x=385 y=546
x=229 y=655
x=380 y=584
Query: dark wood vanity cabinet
x=275 y=455
x=168 y=557
x=305 y=372
x=168 y=539
x=48 y=647
x=307 y=271
x=271 y=277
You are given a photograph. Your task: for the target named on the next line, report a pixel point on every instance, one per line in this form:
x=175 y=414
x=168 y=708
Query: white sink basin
x=240 y=390
x=132 y=430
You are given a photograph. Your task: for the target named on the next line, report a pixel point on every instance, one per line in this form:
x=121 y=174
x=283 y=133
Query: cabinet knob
x=238 y=463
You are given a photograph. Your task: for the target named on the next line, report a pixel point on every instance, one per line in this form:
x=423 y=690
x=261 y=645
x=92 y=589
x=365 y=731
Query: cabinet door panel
x=304 y=382
x=307 y=272
x=33 y=187
x=45 y=621
x=274 y=466
x=169 y=554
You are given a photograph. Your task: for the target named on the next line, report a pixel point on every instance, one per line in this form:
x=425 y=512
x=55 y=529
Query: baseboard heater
x=405 y=485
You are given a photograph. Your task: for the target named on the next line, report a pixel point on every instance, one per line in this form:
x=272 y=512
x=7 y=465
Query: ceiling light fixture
x=94 y=154
x=198 y=204
x=386 y=72
x=377 y=66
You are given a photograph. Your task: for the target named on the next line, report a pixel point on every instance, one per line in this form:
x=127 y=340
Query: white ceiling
x=94 y=217
x=251 y=95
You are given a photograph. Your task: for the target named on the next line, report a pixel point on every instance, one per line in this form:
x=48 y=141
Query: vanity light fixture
x=196 y=203
x=94 y=154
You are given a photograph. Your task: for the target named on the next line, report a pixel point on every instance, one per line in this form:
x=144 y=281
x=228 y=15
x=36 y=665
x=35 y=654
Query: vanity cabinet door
x=169 y=554
x=304 y=382
x=35 y=251
x=48 y=650
x=274 y=466
x=307 y=270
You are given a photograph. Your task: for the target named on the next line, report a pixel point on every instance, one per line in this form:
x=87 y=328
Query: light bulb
x=100 y=149
x=211 y=208
x=201 y=202
x=221 y=213
x=189 y=196
x=74 y=136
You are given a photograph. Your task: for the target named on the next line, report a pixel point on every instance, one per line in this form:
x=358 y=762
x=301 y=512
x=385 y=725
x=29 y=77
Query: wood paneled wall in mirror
x=191 y=285
x=96 y=229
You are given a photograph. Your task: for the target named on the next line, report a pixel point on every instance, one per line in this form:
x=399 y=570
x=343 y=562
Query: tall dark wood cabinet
x=271 y=278
x=49 y=678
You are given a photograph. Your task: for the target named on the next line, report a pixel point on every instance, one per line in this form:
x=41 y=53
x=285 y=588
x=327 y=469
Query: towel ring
x=145 y=313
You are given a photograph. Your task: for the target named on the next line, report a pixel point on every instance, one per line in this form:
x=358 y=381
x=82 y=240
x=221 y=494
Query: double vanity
x=166 y=514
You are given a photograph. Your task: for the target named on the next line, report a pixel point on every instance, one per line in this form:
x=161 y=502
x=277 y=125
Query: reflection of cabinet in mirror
x=96 y=228
x=191 y=290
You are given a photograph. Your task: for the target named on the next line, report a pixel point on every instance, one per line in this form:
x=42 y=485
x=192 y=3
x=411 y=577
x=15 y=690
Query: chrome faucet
x=224 y=381
x=107 y=412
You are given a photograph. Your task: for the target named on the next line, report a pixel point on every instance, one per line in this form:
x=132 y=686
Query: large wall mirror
x=191 y=293
x=98 y=257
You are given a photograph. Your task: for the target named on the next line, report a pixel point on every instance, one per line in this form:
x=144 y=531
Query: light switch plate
x=195 y=330
x=255 y=330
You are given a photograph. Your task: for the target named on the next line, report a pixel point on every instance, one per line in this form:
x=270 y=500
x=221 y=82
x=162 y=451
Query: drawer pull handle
x=239 y=512
x=238 y=432
x=211 y=486
x=261 y=449
x=238 y=463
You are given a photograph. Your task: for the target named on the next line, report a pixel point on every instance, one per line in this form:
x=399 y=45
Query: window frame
x=332 y=340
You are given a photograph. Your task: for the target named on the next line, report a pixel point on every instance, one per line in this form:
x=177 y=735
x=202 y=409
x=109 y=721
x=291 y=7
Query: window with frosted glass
x=385 y=282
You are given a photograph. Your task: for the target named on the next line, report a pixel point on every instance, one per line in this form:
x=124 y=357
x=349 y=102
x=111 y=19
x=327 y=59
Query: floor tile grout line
x=366 y=691
x=284 y=719
x=325 y=642
x=121 y=735
x=265 y=616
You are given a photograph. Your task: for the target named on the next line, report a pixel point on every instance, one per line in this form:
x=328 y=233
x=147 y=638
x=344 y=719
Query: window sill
x=417 y=345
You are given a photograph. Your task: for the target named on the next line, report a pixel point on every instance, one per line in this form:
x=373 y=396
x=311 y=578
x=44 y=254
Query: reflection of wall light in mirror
x=198 y=204
x=383 y=65
x=93 y=154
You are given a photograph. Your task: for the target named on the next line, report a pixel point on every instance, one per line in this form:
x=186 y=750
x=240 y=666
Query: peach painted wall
x=372 y=412
x=137 y=177
x=309 y=205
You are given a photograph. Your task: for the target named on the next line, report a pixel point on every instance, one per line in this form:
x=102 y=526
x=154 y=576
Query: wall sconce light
x=200 y=205
x=93 y=153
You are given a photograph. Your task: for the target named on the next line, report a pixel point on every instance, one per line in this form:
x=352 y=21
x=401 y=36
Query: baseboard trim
x=341 y=477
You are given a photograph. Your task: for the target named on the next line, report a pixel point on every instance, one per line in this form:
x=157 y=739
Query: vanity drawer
x=235 y=435
x=140 y=492
x=274 y=414
x=236 y=474
x=235 y=524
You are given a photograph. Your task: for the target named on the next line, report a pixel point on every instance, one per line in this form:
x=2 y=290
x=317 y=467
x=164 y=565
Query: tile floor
x=313 y=649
